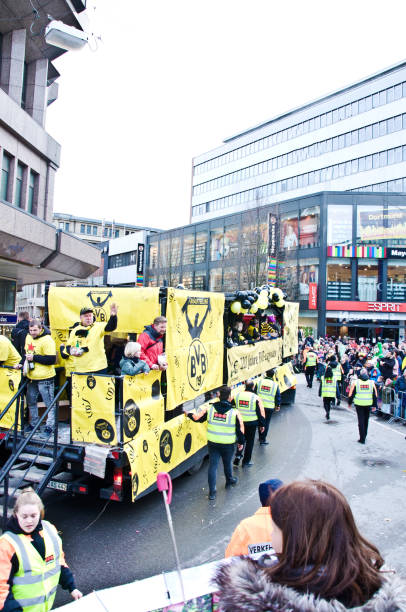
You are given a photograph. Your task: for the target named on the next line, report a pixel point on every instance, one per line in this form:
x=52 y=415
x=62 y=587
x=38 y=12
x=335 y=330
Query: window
x=32 y=191
x=88 y=229
x=396 y=285
x=7 y=295
x=339 y=279
x=5 y=173
x=201 y=248
x=289 y=231
x=116 y=233
x=309 y=227
x=308 y=273
x=231 y=239
x=83 y=229
x=288 y=282
x=200 y=280
x=67 y=227
x=216 y=278
x=367 y=280
x=216 y=244
x=94 y=230
x=339 y=224
x=105 y=232
x=19 y=185
x=153 y=255
x=188 y=249
x=230 y=278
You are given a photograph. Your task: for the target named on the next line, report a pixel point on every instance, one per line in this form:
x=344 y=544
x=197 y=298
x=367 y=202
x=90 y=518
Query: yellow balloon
x=262 y=303
x=244 y=310
x=278 y=292
x=279 y=303
x=235 y=307
x=254 y=308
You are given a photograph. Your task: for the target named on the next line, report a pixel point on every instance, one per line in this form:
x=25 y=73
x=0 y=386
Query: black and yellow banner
x=285 y=377
x=137 y=307
x=93 y=409
x=194 y=344
x=143 y=404
x=9 y=381
x=250 y=360
x=162 y=449
x=290 y=327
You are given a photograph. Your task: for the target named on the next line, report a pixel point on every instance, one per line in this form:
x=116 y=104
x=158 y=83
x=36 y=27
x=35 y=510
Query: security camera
x=64 y=36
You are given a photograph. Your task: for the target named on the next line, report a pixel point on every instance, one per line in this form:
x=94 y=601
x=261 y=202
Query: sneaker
x=248 y=464
x=263 y=443
x=328 y=416
x=212 y=495
x=361 y=441
x=231 y=482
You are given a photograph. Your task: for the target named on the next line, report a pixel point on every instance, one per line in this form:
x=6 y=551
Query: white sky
x=172 y=79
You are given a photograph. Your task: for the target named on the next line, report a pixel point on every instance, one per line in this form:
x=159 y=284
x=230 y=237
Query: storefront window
x=339 y=279
x=187 y=280
x=164 y=251
x=368 y=280
x=339 y=225
x=396 y=285
x=200 y=280
x=230 y=245
x=153 y=256
x=175 y=251
x=230 y=276
x=216 y=244
x=289 y=231
x=188 y=249
x=371 y=225
x=308 y=273
x=216 y=277
x=288 y=281
x=309 y=227
x=7 y=295
x=396 y=222
x=201 y=247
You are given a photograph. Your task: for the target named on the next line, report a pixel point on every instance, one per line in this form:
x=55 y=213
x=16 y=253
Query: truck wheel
x=196 y=467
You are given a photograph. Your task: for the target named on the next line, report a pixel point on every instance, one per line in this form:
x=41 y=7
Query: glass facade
x=339 y=224
x=339 y=279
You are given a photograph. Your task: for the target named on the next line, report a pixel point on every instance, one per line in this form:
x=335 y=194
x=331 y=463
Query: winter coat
x=386 y=366
x=133 y=366
x=151 y=345
x=244 y=587
x=400 y=384
x=18 y=336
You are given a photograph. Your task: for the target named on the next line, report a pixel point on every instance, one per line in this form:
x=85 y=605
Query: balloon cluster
x=256 y=299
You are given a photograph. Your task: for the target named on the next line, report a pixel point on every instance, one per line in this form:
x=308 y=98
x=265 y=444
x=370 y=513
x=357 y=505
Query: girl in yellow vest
x=327 y=390
x=32 y=563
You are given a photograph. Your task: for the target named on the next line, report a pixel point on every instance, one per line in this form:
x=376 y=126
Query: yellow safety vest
x=311 y=359
x=35 y=582
x=221 y=427
x=337 y=373
x=43 y=345
x=364 y=393
x=328 y=387
x=246 y=404
x=95 y=358
x=266 y=390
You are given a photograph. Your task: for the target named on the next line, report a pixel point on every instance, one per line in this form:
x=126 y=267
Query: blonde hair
x=28 y=496
x=131 y=348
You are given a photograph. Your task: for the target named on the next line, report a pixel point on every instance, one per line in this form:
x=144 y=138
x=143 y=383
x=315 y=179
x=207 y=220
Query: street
x=130 y=542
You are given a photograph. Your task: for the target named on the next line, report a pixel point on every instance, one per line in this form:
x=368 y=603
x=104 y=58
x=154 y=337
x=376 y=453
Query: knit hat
x=268 y=487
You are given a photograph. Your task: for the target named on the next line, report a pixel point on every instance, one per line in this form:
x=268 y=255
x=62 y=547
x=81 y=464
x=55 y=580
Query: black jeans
x=363 y=418
x=250 y=428
x=309 y=373
x=268 y=417
x=226 y=452
x=327 y=401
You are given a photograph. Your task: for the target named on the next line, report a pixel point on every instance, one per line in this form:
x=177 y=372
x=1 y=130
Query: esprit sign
x=366 y=306
x=312 y=296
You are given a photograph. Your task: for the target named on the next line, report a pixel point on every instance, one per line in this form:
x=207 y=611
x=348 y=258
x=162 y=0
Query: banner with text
x=143 y=404
x=137 y=307
x=9 y=381
x=290 y=327
x=285 y=377
x=93 y=409
x=250 y=360
x=194 y=344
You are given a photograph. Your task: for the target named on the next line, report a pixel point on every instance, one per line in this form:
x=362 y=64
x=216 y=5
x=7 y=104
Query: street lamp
x=64 y=36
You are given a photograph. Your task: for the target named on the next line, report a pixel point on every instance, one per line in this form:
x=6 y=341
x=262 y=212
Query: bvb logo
x=197 y=364
x=135 y=484
x=197 y=359
x=132 y=418
x=104 y=431
x=98 y=299
x=165 y=446
x=11 y=385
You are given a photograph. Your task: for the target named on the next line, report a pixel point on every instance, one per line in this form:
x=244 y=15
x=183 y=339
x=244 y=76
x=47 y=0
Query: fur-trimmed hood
x=244 y=587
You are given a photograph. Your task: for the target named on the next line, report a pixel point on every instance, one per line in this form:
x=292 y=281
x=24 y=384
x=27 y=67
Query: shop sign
x=273 y=235
x=7 y=318
x=366 y=306
x=140 y=264
x=395 y=253
x=312 y=296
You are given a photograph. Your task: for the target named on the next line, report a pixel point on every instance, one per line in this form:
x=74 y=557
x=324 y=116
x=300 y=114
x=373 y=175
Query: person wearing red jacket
x=152 y=344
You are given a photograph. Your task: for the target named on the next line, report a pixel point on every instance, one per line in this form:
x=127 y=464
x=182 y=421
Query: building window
x=82 y=228
x=371 y=225
x=309 y=227
x=339 y=224
x=88 y=229
x=200 y=280
x=230 y=278
x=396 y=285
x=287 y=279
x=187 y=280
x=216 y=244
x=201 y=248
x=19 y=185
x=32 y=191
x=175 y=251
x=7 y=295
x=116 y=233
x=289 y=231
x=94 y=230
x=153 y=256
x=216 y=278
x=5 y=174
x=339 y=279
x=188 y=250
x=67 y=227
x=368 y=281
x=231 y=242
x=106 y=232
x=308 y=273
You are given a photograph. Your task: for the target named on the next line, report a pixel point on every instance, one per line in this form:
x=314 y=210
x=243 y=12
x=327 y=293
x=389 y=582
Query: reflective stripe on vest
x=246 y=404
x=364 y=393
x=221 y=427
x=311 y=359
x=266 y=390
x=328 y=387
x=337 y=373
x=35 y=582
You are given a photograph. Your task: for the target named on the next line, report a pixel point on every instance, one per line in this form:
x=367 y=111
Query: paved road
x=129 y=542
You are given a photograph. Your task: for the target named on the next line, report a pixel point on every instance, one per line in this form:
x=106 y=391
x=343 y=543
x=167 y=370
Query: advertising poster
x=290 y=327
x=289 y=234
x=9 y=381
x=308 y=273
x=93 y=409
x=250 y=360
x=382 y=225
x=194 y=344
x=309 y=230
x=312 y=296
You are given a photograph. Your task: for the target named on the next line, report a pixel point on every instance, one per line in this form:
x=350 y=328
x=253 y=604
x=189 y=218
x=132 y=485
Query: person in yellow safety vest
x=224 y=427
x=86 y=342
x=338 y=374
x=9 y=356
x=251 y=408
x=327 y=390
x=310 y=367
x=268 y=390
x=363 y=394
x=32 y=562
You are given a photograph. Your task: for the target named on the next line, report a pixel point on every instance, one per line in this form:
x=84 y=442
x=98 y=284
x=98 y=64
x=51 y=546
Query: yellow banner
x=162 y=449
x=194 y=344
x=137 y=306
x=93 y=409
x=143 y=404
x=9 y=381
x=250 y=360
x=285 y=377
x=290 y=327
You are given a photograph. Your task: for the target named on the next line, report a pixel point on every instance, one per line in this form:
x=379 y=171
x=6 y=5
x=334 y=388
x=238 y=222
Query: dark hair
x=328 y=373
x=270 y=373
x=35 y=323
x=225 y=393
x=158 y=320
x=321 y=540
x=249 y=385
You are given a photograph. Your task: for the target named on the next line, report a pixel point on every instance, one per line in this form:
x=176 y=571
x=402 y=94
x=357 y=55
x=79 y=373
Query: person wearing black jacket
x=253 y=417
x=225 y=427
x=19 y=333
x=386 y=366
x=364 y=397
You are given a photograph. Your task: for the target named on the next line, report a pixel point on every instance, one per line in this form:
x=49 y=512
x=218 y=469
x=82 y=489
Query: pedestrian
x=250 y=406
x=224 y=427
x=363 y=394
x=39 y=367
x=268 y=390
x=338 y=374
x=152 y=344
x=32 y=562
x=310 y=367
x=400 y=388
x=132 y=363
x=327 y=390
x=9 y=356
x=254 y=534
x=85 y=346
x=20 y=332
x=323 y=562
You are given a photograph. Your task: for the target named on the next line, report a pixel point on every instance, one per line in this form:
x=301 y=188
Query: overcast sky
x=171 y=80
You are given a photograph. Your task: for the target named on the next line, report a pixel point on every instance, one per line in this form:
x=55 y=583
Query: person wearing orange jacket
x=253 y=534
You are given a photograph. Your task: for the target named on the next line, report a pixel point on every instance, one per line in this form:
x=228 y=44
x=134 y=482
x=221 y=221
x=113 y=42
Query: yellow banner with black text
x=143 y=404
x=249 y=360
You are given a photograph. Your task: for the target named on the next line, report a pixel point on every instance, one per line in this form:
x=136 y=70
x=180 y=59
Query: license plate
x=60 y=486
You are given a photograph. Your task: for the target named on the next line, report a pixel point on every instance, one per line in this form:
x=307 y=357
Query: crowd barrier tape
x=93 y=409
x=194 y=344
x=9 y=382
x=249 y=360
x=143 y=404
x=290 y=327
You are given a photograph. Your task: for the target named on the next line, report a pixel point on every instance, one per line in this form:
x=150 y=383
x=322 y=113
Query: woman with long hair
x=323 y=563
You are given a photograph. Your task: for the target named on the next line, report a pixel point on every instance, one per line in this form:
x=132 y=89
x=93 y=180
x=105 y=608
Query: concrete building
x=31 y=249
x=126 y=259
x=351 y=140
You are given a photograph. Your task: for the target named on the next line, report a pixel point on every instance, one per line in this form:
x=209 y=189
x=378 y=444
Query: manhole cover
x=376 y=462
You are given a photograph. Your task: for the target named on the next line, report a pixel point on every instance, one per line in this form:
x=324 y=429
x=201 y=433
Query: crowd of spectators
x=251 y=329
